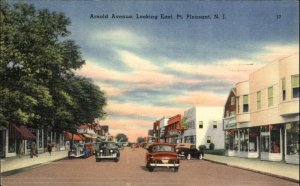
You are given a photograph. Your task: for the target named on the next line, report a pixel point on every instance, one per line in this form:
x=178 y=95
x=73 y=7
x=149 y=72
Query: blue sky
x=155 y=68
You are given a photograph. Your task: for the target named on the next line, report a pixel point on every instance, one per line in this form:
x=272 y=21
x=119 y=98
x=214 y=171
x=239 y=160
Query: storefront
x=292 y=142
x=18 y=138
x=231 y=142
x=272 y=142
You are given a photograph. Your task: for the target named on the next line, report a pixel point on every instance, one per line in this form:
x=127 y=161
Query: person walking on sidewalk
x=49 y=147
x=33 y=149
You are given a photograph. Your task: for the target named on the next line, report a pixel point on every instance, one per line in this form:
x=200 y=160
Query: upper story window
x=283 y=88
x=258 y=100
x=245 y=103
x=208 y=140
x=214 y=124
x=270 y=96
x=232 y=100
x=200 y=124
x=295 y=86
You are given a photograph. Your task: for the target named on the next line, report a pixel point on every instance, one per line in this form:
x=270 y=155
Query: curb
x=25 y=168
x=257 y=171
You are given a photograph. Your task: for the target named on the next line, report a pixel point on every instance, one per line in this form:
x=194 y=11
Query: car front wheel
x=200 y=156
x=188 y=156
x=150 y=168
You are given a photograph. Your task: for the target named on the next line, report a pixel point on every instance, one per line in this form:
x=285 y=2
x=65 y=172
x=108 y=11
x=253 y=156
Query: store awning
x=21 y=132
x=76 y=137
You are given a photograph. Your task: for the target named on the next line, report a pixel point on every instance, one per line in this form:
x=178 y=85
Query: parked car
x=107 y=150
x=188 y=151
x=78 y=150
x=162 y=155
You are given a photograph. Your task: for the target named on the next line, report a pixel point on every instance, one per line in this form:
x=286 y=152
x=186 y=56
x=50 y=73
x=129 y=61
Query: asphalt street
x=130 y=170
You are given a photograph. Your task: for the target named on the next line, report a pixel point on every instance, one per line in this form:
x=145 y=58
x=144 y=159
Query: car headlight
x=101 y=150
x=111 y=151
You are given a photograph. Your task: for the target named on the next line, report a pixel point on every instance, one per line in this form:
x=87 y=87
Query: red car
x=162 y=155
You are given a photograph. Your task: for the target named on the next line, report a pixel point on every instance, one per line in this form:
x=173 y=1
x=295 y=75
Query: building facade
x=204 y=126
x=173 y=131
x=267 y=117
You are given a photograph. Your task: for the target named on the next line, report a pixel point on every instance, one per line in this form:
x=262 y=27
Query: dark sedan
x=188 y=151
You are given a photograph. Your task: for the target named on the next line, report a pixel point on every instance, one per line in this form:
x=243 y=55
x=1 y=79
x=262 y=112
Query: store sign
x=265 y=133
x=230 y=123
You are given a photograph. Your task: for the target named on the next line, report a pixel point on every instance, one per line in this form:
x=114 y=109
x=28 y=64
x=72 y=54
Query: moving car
x=162 y=155
x=107 y=150
x=78 y=150
x=188 y=151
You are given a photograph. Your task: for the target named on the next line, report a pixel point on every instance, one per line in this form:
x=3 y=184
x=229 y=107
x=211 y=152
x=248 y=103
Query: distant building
x=159 y=129
x=204 y=126
x=173 y=131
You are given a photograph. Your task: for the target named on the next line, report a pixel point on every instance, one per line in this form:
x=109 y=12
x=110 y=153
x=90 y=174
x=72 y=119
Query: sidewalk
x=278 y=169
x=15 y=163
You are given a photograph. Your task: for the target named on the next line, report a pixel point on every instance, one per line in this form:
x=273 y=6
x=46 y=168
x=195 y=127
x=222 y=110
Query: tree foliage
x=121 y=137
x=140 y=140
x=38 y=86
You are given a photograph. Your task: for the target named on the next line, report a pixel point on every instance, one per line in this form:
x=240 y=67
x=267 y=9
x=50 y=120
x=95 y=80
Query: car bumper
x=103 y=157
x=164 y=165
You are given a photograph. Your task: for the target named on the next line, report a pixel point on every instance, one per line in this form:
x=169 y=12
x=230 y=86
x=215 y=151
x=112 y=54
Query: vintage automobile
x=107 y=150
x=188 y=151
x=78 y=150
x=162 y=155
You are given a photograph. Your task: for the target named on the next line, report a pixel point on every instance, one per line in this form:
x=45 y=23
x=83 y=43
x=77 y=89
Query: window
x=214 y=124
x=208 y=139
x=295 y=86
x=245 y=103
x=283 y=84
x=258 y=100
x=232 y=100
x=270 y=96
x=200 y=124
x=292 y=135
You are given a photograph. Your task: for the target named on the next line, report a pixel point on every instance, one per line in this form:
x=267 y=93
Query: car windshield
x=160 y=148
x=108 y=145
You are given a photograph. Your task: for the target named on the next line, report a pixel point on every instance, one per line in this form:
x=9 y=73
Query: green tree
x=121 y=137
x=140 y=140
x=37 y=67
x=184 y=123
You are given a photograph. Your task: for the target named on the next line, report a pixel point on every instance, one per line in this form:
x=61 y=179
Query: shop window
x=244 y=139
x=275 y=139
x=245 y=103
x=292 y=136
x=270 y=96
x=200 y=124
x=295 y=86
x=231 y=141
x=208 y=140
x=258 y=100
x=253 y=139
x=283 y=87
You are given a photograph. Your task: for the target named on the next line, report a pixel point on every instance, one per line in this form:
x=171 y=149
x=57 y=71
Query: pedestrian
x=21 y=148
x=49 y=147
x=133 y=147
x=33 y=150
